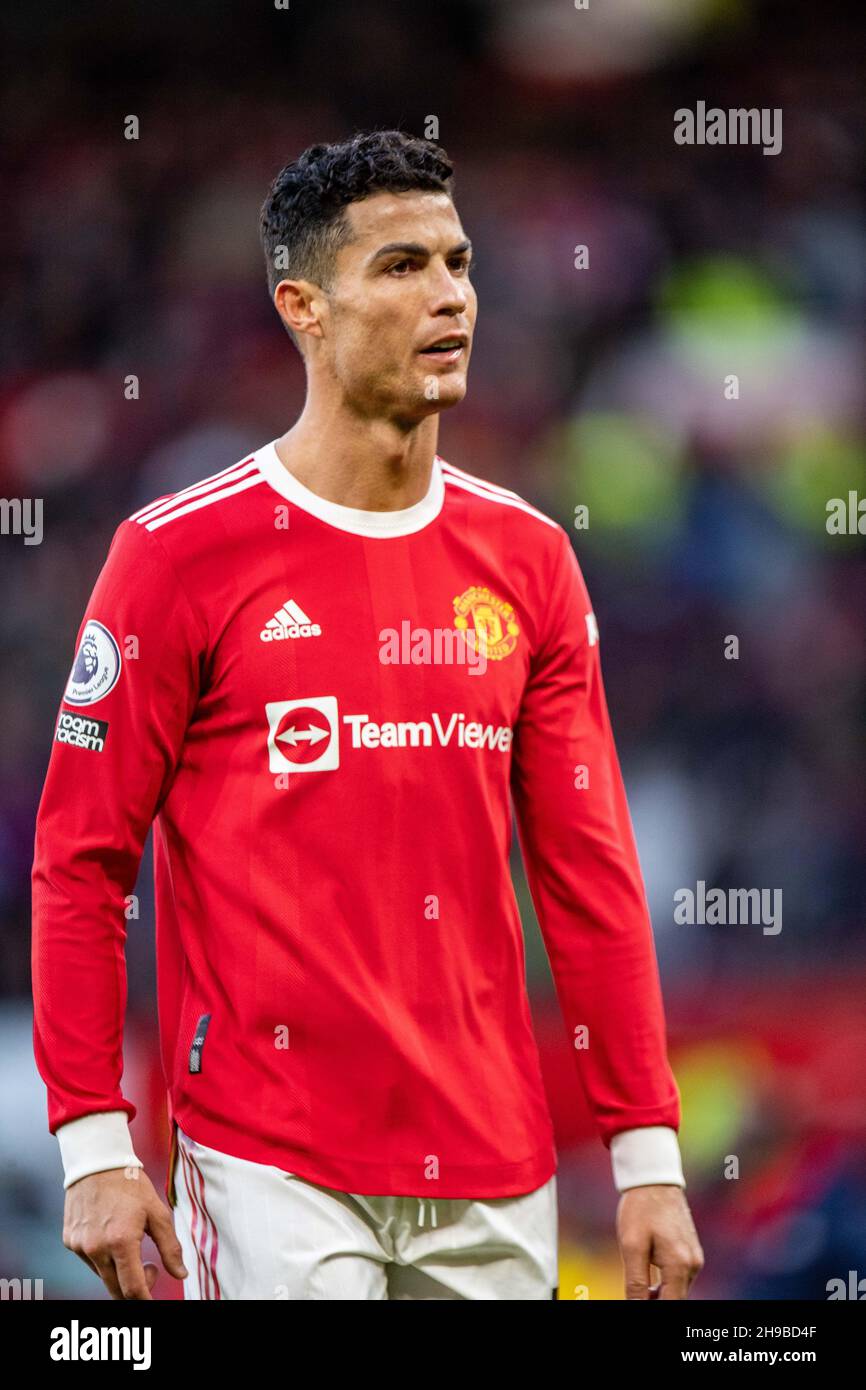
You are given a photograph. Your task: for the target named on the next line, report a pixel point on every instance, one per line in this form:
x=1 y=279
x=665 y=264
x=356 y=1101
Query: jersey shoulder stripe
x=196 y=503
x=226 y=483
x=167 y=498
x=492 y=492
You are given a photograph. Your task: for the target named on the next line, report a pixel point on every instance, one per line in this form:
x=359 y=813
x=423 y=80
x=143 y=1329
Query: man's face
x=399 y=286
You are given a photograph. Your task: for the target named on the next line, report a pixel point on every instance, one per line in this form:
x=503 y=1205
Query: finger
x=636 y=1265
x=130 y=1271
x=87 y=1260
x=162 y=1232
x=675 y=1281
x=104 y=1266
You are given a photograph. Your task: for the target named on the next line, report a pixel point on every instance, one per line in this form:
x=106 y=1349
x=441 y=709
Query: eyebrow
x=414 y=248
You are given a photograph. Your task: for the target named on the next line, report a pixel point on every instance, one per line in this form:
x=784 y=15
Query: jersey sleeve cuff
x=94 y=1144
x=640 y=1157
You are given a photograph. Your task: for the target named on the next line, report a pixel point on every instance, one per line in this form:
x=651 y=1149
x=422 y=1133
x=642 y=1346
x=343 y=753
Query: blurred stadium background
x=598 y=387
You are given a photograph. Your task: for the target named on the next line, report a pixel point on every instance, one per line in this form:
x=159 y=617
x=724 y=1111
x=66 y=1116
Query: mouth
x=447 y=349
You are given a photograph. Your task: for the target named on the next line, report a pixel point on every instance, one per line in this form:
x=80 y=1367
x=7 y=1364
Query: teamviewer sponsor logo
x=424 y=733
x=302 y=734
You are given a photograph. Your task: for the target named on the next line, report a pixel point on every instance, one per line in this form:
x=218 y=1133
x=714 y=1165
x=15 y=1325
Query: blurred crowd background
x=601 y=388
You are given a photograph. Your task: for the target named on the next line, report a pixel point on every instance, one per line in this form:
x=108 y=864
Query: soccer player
x=325 y=674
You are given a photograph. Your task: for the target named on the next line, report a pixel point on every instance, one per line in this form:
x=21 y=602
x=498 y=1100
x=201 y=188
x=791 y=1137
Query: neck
x=374 y=464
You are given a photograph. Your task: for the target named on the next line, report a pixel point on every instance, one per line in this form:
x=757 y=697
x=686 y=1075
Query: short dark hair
x=302 y=215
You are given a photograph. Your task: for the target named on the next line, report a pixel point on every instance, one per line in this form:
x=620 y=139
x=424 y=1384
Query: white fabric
x=252 y=1231
x=640 y=1157
x=95 y=1143
x=402 y=522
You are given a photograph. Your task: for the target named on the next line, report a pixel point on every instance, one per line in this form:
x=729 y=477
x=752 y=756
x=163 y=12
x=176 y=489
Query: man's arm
x=586 y=884
x=120 y=730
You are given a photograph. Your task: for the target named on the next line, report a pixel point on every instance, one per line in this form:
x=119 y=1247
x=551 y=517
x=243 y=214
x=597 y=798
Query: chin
x=451 y=393
x=448 y=399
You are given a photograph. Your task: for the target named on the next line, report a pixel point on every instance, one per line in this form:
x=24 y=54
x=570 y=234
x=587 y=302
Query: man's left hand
x=657 y=1241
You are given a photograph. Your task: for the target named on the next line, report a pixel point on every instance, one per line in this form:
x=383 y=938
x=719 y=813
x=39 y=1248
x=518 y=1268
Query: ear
x=299 y=304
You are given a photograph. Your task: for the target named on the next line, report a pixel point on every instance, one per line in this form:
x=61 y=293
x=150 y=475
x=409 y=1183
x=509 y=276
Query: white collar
x=395 y=523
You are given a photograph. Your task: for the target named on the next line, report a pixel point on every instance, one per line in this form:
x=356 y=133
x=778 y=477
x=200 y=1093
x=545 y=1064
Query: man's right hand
x=106 y=1216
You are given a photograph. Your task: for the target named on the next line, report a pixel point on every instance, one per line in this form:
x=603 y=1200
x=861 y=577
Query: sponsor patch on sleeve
x=81 y=731
x=96 y=668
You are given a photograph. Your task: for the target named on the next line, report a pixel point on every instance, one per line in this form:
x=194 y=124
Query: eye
x=399 y=265
x=463 y=263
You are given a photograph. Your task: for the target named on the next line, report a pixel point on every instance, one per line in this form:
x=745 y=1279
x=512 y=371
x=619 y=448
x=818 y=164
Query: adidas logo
x=289 y=621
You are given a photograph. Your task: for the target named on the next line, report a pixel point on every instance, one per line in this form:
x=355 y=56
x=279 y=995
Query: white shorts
x=252 y=1231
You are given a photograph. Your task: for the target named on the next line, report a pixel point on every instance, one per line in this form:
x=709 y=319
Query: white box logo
x=303 y=735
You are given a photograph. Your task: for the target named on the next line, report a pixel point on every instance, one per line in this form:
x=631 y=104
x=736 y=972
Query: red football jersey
x=326 y=713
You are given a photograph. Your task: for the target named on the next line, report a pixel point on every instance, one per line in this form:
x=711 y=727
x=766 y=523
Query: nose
x=449 y=293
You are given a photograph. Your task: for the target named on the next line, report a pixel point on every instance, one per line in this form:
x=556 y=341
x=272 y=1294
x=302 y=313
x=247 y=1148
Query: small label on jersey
x=198 y=1043
x=96 y=668
x=81 y=732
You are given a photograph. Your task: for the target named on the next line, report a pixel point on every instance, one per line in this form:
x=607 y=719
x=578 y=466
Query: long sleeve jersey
x=327 y=715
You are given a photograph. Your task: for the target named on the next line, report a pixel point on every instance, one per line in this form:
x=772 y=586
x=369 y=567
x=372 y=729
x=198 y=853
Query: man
x=354 y=1089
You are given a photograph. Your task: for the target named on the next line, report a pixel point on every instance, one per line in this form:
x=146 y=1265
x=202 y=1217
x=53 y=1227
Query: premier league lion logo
x=96 y=668
x=86 y=662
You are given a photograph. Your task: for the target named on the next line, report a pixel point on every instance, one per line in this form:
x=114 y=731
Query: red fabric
x=366 y=911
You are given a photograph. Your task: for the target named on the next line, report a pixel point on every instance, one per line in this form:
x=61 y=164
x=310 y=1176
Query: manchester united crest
x=487 y=622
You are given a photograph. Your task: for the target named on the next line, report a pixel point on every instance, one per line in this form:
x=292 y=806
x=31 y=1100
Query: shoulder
x=201 y=510
x=486 y=496
x=523 y=524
